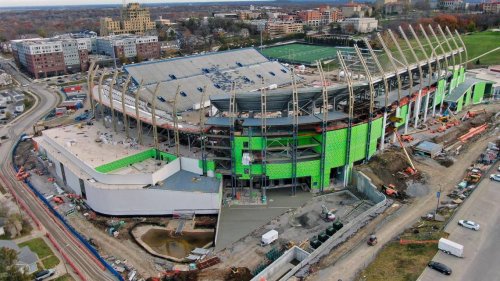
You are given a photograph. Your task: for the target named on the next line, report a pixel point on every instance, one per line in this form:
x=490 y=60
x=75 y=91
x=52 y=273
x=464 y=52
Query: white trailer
x=269 y=237
x=451 y=248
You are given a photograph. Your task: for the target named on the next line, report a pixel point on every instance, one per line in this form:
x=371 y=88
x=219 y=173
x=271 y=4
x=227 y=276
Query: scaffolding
x=372 y=102
x=232 y=120
x=202 y=132
x=324 y=124
x=295 y=132
x=124 y=112
x=263 y=128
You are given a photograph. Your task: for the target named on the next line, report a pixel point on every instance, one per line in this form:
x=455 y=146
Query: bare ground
x=346 y=264
x=123 y=249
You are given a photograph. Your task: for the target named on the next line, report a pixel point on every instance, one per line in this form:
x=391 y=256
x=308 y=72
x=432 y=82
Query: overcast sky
x=12 y=3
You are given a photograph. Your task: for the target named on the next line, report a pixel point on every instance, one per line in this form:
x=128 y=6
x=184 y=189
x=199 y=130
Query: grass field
x=65 y=277
x=303 y=53
x=399 y=263
x=481 y=42
x=43 y=251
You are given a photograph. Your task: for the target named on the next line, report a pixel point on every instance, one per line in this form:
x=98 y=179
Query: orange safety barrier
x=407 y=242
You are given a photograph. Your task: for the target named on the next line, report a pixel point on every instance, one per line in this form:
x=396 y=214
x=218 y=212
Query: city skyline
x=23 y=3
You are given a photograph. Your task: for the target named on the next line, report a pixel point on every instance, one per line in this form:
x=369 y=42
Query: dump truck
x=269 y=237
x=451 y=248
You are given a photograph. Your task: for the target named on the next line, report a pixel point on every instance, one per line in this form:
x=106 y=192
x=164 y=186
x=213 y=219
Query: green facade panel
x=440 y=91
x=376 y=133
x=403 y=112
x=359 y=138
x=460 y=102
x=336 y=148
x=467 y=97
x=479 y=92
x=136 y=158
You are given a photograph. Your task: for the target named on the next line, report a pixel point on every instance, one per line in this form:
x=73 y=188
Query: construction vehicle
x=58 y=199
x=327 y=215
x=390 y=190
x=407 y=138
x=471 y=114
x=413 y=169
x=473 y=176
x=372 y=240
x=22 y=174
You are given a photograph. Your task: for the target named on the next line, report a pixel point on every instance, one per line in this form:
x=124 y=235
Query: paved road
x=362 y=255
x=72 y=248
x=481 y=248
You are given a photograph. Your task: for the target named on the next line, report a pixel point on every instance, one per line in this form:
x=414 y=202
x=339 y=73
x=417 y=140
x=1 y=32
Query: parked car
x=439 y=267
x=468 y=224
x=44 y=274
x=495 y=177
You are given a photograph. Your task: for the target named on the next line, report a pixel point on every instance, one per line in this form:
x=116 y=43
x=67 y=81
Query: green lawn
x=399 y=263
x=480 y=42
x=304 y=53
x=65 y=277
x=43 y=251
x=50 y=261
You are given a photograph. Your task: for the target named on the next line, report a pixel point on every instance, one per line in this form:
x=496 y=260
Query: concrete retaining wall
x=364 y=186
x=283 y=261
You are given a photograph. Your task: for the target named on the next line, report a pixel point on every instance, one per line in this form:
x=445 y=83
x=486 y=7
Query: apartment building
x=451 y=5
x=352 y=10
x=40 y=58
x=129 y=46
x=324 y=15
x=310 y=17
x=65 y=54
x=491 y=7
x=134 y=20
x=360 y=25
x=279 y=29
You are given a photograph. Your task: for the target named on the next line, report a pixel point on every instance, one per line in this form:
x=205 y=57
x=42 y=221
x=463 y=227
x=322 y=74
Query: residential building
x=491 y=7
x=352 y=10
x=129 y=46
x=310 y=17
x=84 y=34
x=451 y=5
x=248 y=15
x=26 y=259
x=65 y=54
x=39 y=57
x=330 y=14
x=393 y=8
x=161 y=21
x=226 y=15
x=134 y=20
x=380 y=3
x=360 y=25
x=279 y=29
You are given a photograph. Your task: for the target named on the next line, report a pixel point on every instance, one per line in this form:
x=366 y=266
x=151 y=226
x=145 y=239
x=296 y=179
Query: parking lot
x=481 y=248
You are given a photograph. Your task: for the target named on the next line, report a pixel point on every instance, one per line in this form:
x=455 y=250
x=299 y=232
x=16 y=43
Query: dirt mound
x=383 y=168
x=227 y=274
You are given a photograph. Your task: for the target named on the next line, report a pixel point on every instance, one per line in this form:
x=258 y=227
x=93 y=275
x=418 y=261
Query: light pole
x=438 y=196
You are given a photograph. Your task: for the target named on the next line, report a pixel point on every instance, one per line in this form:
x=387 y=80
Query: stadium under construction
x=228 y=121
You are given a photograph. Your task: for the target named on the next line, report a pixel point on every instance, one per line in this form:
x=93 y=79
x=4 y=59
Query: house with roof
x=26 y=259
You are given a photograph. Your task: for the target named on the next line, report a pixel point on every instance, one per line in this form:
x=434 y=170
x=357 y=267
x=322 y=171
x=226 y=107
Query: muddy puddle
x=163 y=243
